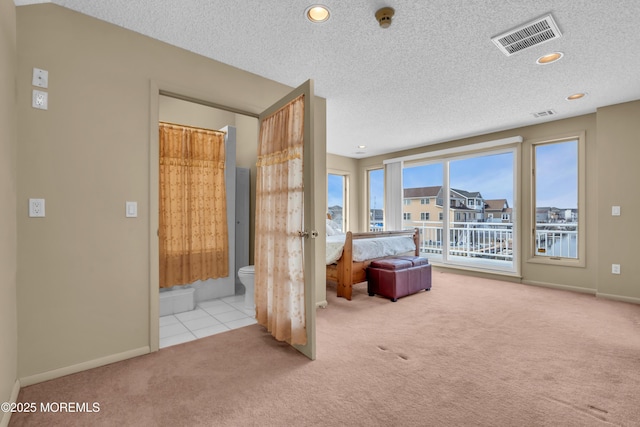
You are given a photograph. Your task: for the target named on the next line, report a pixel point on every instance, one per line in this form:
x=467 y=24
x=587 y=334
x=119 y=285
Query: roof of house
x=412 y=193
x=468 y=194
x=495 y=204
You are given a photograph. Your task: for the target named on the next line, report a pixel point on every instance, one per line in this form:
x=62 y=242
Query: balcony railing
x=490 y=240
x=557 y=240
x=486 y=240
x=376 y=226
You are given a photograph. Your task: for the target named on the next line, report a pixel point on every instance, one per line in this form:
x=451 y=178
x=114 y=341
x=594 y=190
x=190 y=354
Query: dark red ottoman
x=396 y=277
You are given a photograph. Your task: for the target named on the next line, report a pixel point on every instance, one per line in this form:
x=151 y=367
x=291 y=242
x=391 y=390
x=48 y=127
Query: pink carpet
x=471 y=352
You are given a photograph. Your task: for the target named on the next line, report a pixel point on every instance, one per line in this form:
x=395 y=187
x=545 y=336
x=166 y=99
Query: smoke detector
x=384 y=16
x=527 y=35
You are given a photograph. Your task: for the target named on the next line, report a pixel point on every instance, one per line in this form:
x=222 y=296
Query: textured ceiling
x=434 y=75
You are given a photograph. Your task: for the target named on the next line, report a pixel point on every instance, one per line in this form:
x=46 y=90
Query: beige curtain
x=279 y=269
x=194 y=244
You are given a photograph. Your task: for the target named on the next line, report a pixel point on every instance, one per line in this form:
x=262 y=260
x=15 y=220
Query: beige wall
x=83 y=271
x=612 y=150
x=347 y=166
x=8 y=228
x=618 y=178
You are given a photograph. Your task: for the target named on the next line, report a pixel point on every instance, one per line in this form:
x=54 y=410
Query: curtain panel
x=279 y=263
x=193 y=237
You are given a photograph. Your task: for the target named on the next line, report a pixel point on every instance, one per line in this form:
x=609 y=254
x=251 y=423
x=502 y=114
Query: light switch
x=132 y=210
x=40 y=78
x=615 y=210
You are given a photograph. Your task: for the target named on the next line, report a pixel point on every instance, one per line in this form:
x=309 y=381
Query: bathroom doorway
x=248 y=106
x=212 y=306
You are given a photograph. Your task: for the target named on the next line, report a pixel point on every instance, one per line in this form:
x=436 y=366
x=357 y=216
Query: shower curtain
x=193 y=235
x=279 y=263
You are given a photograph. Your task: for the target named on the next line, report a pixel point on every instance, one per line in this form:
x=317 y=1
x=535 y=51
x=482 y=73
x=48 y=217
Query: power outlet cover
x=40 y=100
x=36 y=208
x=40 y=78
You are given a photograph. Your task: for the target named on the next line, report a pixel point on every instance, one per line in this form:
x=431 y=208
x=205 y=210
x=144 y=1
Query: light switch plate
x=40 y=100
x=36 y=208
x=40 y=78
x=131 y=209
x=615 y=210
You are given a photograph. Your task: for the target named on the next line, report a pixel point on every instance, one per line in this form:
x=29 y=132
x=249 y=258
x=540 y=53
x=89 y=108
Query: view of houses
x=477 y=226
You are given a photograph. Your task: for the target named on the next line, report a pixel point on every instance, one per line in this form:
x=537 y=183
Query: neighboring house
x=497 y=210
x=425 y=204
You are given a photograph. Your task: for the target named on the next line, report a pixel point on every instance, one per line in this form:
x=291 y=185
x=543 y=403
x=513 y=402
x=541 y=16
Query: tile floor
x=208 y=318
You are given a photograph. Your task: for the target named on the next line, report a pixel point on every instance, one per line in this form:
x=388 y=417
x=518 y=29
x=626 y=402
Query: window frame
x=345 y=194
x=367 y=195
x=532 y=257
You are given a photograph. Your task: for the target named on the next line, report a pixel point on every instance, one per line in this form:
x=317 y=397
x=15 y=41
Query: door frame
x=155 y=91
x=250 y=109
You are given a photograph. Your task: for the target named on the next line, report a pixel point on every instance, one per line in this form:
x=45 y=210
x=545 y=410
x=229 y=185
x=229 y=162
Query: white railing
x=487 y=240
x=376 y=226
x=557 y=240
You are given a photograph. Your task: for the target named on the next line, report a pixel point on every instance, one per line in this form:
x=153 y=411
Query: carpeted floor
x=471 y=352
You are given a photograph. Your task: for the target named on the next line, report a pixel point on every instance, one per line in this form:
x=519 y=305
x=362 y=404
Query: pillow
x=333 y=228
x=330 y=230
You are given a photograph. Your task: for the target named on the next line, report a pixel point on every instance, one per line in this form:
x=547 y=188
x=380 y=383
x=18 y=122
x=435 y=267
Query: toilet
x=246 y=276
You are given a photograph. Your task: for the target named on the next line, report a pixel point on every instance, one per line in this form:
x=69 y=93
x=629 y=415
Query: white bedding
x=364 y=249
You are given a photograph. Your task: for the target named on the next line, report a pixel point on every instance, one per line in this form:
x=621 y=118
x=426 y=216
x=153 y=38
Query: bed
x=349 y=255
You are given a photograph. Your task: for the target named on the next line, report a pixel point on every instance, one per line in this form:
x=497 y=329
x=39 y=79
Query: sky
x=492 y=176
x=335 y=190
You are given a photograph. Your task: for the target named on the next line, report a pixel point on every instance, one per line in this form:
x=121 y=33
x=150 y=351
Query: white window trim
x=346 y=208
x=582 y=205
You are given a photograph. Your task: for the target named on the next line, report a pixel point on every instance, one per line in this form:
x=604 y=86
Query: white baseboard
x=6 y=416
x=619 y=298
x=562 y=287
x=61 y=372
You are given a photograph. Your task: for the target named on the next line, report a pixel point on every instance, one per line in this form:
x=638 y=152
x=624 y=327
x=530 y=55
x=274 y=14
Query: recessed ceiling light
x=362 y=146
x=317 y=13
x=576 y=96
x=548 y=59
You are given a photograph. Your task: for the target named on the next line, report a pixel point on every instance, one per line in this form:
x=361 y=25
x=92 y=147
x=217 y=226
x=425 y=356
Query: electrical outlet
x=615 y=268
x=36 y=208
x=40 y=100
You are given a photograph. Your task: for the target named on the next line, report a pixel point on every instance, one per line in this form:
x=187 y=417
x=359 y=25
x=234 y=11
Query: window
x=424 y=201
x=375 y=178
x=407 y=202
x=407 y=217
x=460 y=237
x=336 y=200
x=505 y=216
x=558 y=235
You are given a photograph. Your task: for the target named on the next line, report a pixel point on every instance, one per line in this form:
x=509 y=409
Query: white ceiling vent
x=545 y=113
x=527 y=35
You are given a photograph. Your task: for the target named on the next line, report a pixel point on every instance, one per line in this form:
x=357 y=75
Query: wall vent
x=527 y=35
x=545 y=113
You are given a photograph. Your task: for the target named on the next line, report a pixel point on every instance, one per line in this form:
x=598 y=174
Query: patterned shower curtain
x=194 y=243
